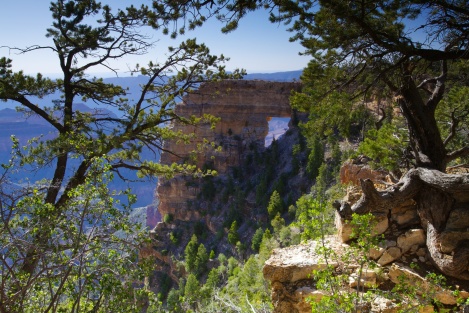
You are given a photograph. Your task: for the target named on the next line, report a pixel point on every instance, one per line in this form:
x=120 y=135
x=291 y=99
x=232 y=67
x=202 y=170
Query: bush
x=385 y=146
x=168 y=218
x=175 y=237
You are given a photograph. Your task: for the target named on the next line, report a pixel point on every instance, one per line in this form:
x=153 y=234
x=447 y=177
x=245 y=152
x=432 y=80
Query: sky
x=257 y=45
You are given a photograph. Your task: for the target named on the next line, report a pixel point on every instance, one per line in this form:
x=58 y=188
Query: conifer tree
x=275 y=204
x=67 y=241
x=190 y=253
x=233 y=236
x=200 y=264
x=191 y=291
x=257 y=239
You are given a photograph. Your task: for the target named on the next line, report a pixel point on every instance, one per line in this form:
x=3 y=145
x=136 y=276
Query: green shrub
x=168 y=218
x=385 y=146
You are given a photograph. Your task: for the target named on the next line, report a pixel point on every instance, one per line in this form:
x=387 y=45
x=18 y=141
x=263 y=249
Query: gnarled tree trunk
x=436 y=195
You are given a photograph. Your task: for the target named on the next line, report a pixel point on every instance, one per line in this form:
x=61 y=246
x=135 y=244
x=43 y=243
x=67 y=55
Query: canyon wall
x=244 y=109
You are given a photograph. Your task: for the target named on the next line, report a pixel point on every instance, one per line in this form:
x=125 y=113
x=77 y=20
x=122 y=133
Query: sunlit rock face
x=244 y=109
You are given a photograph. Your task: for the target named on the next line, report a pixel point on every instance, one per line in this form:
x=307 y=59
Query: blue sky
x=258 y=46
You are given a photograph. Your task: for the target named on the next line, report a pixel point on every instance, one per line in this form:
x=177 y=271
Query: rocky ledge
x=402 y=258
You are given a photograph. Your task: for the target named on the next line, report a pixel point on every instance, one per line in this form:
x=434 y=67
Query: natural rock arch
x=244 y=107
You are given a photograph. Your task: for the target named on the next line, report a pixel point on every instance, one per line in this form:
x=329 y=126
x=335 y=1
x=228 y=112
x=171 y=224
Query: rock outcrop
x=404 y=257
x=244 y=109
x=290 y=271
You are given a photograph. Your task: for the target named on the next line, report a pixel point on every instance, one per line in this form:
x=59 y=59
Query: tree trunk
x=425 y=138
x=436 y=194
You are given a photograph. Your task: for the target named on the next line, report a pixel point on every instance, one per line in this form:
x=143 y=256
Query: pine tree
x=233 y=236
x=257 y=239
x=190 y=253
x=191 y=291
x=275 y=204
x=200 y=264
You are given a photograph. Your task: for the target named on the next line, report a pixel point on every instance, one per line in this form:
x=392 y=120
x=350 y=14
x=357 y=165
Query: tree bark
x=435 y=193
x=425 y=138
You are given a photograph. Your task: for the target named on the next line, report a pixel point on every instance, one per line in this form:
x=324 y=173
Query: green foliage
x=257 y=239
x=190 y=253
x=210 y=286
x=233 y=236
x=277 y=224
x=385 y=146
x=173 y=300
x=315 y=157
x=453 y=120
x=192 y=291
x=200 y=264
x=354 y=63
x=322 y=181
x=338 y=298
x=248 y=285
x=292 y=211
x=168 y=218
x=69 y=244
x=279 y=184
x=336 y=156
x=84 y=239
x=175 y=237
x=313 y=217
x=275 y=204
x=409 y=294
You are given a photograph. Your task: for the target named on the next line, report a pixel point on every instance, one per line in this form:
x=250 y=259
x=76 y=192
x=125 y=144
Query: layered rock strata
x=244 y=109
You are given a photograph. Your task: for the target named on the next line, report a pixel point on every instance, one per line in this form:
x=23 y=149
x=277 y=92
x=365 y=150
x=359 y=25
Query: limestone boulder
x=297 y=262
x=413 y=237
x=290 y=272
x=384 y=305
x=303 y=296
x=345 y=229
x=391 y=254
x=367 y=278
x=353 y=170
x=400 y=274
